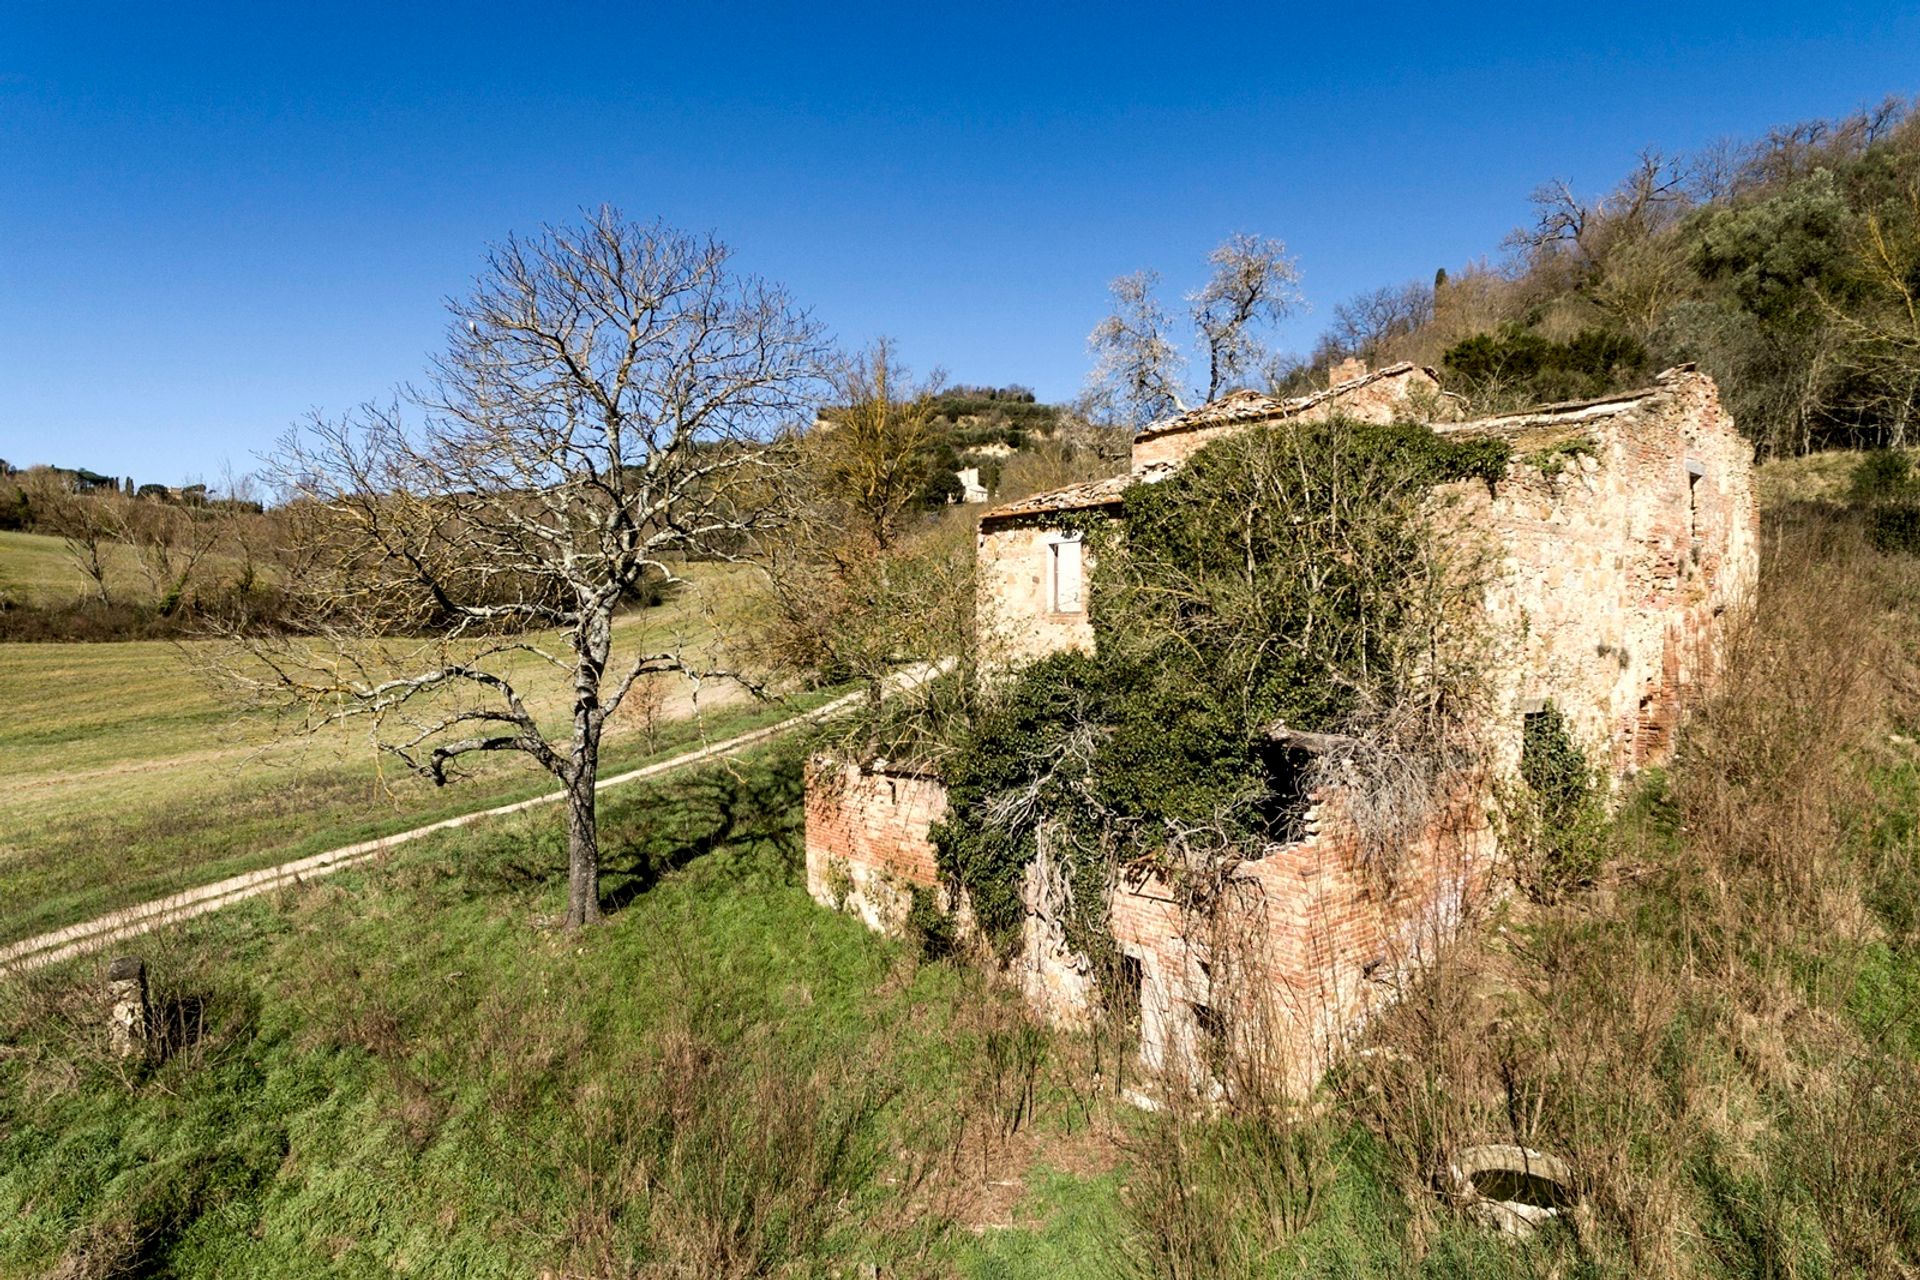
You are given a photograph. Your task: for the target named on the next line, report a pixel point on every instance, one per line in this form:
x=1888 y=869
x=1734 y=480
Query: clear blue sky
x=215 y=219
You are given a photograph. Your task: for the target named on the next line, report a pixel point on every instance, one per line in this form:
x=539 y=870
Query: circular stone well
x=1511 y=1188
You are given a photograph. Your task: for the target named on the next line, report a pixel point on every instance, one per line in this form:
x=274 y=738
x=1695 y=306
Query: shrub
x=1286 y=574
x=1556 y=820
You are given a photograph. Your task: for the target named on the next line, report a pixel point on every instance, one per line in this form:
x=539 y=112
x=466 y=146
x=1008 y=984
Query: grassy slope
x=35 y=569
x=403 y=1071
x=123 y=776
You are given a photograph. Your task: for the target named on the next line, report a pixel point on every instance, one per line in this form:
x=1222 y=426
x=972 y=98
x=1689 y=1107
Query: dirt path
x=129 y=922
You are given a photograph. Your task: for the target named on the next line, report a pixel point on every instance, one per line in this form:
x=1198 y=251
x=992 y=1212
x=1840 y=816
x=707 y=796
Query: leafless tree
x=86 y=524
x=1254 y=283
x=1364 y=325
x=170 y=541
x=606 y=406
x=1646 y=201
x=1139 y=369
x=1136 y=362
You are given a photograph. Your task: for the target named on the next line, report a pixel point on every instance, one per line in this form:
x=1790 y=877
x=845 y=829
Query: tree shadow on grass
x=752 y=814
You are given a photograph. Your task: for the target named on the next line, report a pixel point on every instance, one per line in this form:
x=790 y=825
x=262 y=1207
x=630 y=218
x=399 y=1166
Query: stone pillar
x=129 y=1021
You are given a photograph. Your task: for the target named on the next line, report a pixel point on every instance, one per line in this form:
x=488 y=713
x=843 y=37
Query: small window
x=1068 y=577
x=1209 y=1031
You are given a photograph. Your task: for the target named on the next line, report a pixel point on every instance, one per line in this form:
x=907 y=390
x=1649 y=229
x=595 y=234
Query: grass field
x=123 y=776
x=36 y=570
x=406 y=1069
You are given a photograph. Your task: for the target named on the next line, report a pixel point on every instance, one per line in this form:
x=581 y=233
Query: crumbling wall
x=1017 y=621
x=1386 y=395
x=867 y=842
x=1298 y=947
x=1618 y=568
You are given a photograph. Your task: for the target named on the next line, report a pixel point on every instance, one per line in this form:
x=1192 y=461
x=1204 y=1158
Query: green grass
x=406 y=1069
x=36 y=570
x=124 y=776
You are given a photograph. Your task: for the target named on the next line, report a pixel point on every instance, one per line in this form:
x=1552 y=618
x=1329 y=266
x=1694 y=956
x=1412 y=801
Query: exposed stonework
x=867 y=845
x=1395 y=392
x=1302 y=945
x=1622 y=534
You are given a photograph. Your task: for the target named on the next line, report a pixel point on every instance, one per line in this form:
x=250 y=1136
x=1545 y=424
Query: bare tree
x=1254 y=283
x=1365 y=324
x=606 y=407
x=86 y=524
x=169 y=541
x=1138 y=367
x=1136 y=362
x=1883 y=323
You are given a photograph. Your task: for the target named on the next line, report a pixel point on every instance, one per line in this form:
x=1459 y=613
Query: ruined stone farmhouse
x=1623 y=536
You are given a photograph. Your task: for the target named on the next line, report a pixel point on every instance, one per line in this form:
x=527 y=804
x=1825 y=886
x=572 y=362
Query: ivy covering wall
x=1287 y=574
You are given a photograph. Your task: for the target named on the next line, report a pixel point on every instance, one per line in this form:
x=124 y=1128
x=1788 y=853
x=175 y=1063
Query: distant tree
x=1138 y=366
x=1254 y=283
x=86 y=524
x=605 y=408
x=878 y=451
x=1136 y=362
x=854 y=587
x=1881 y=317
x=1364 y=324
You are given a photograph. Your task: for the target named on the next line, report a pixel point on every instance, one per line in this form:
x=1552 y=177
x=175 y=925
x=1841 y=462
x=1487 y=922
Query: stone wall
x=1616 y=570
x=1017 y=622
x=867 y=844
x=1300 y=947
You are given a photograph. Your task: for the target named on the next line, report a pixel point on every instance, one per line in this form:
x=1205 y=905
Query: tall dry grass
x=1685 y=1033
x=1721 y=1034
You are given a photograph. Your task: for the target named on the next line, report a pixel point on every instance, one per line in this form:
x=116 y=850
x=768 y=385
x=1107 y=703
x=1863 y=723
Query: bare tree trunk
x=583 y=844
x=594 y=642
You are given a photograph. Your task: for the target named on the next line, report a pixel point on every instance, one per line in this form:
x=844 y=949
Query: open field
x=404 y=1069
x=36 y=570
x=407 y=1069
x=123 y=776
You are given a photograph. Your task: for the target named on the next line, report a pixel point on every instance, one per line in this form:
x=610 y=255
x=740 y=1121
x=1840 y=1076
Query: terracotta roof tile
x=1080 y=497
x=1253 y=406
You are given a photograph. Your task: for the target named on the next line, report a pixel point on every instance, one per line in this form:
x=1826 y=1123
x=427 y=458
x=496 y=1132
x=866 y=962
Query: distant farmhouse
x=1617 y=565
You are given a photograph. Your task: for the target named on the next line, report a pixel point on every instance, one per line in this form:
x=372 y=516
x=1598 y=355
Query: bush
x=1518 y=366
x=1556 y=823
x=1885 y=488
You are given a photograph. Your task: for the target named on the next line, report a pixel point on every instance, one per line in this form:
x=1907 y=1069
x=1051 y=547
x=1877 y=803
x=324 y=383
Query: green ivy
x=1266 y=580
x=1556 y=826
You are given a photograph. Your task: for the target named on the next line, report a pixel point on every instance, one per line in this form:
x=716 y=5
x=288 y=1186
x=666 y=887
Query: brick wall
x=1616 y=573
x=1300 y=947
x=867 y=844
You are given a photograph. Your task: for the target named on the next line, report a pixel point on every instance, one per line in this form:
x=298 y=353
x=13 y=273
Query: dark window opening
x=1283 y=809
x=1694 y=472
x=1132 y=989
x=1209 y=1030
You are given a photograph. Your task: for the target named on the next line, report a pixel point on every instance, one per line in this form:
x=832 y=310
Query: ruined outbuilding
x=1624 y=535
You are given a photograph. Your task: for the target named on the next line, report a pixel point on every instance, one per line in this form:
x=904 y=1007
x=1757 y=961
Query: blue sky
x=213 y=220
